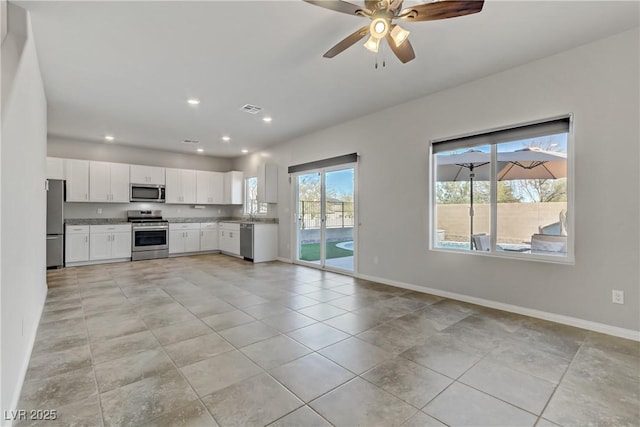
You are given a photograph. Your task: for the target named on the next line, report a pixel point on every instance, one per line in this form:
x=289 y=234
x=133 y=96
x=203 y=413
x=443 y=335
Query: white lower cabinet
x=76 y=243
x=193 y=237
x=265 y=242
x=209 y=236
x=229 y=238
x=184 y=238
x=109 y=242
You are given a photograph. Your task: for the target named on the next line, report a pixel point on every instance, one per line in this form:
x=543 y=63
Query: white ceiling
x=127 y=68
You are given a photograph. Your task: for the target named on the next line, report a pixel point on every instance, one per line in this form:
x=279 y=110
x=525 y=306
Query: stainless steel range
x=150 y=235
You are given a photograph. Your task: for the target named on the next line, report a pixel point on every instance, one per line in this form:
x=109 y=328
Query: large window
x=251 y=204
x=505 y=192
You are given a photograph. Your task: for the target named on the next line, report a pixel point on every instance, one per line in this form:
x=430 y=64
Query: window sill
x=522 y=256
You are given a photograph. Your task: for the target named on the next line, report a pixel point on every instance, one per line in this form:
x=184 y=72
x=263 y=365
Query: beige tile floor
x=211 y=340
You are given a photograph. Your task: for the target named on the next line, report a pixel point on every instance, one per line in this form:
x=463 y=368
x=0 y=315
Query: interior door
x=325 y=212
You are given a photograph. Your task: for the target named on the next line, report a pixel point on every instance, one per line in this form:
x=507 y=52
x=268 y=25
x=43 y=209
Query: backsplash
x=119 y=210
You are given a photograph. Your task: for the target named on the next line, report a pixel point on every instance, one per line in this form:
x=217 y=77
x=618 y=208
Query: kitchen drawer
x=77 y=229
x=114 y=228
x=230 y=226
x=208 y=226
x=184 y=226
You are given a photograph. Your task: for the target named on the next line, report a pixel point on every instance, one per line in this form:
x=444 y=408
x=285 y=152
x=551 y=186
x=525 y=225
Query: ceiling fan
x=383 y=12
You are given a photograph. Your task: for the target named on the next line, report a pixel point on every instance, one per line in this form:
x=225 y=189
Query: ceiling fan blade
x=338 y=6
x=347 y=42
x=371 y=4
x=440 y=10
x=404 y=52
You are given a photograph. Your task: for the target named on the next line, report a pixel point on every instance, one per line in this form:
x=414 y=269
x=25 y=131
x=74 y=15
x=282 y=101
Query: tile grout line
x=546 y=405
x=93 y=369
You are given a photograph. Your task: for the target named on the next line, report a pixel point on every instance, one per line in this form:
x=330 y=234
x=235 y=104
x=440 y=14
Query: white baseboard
x=287 y=260
x=539 y=314
x=25 y=364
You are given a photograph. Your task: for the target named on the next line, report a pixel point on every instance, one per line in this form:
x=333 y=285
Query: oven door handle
x=159 y=228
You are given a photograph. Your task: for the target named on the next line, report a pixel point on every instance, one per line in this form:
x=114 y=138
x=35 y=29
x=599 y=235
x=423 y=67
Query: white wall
x=23 y=203
x=599 y=84
x=110 y=152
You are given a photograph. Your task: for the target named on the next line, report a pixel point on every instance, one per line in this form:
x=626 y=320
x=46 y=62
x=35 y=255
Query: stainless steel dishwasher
x=246 y=241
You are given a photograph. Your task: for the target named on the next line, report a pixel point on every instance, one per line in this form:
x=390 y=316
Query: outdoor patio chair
x=548 y=243
x=557 y=228
x=482 y=242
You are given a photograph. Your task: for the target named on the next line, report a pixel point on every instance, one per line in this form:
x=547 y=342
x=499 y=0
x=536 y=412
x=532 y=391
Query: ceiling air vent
x=251 y=109
x=190 y=141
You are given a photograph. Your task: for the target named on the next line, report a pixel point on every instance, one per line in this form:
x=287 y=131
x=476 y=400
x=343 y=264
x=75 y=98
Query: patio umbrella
x=532 y=163
x=526 y=163
x=464 y=167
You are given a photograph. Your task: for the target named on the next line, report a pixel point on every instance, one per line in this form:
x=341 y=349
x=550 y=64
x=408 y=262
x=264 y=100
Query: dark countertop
x=112 y=221
x=252 y=221
x=222 y=219
x=194 y=219
x=95 y=221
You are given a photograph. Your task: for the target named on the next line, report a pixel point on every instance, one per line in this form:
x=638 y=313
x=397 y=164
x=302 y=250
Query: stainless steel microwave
x=147 y=193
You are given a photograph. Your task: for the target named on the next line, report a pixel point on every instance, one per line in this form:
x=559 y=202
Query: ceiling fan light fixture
x=379 y=28
x=399 y=35
x=372 y=44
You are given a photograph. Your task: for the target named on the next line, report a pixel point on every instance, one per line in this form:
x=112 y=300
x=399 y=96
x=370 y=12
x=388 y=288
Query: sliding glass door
x=326 y=218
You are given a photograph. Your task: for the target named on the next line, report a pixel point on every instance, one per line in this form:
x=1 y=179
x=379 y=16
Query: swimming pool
x=465 y=246
x=346 y=245
x=452 y=245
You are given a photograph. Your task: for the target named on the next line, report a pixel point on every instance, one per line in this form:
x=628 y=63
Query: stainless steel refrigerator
x=55 y=223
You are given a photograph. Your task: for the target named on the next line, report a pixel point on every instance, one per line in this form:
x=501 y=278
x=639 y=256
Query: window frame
x=569 y=259
x=247 y=200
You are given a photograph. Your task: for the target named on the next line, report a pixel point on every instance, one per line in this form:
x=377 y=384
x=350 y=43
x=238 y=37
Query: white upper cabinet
x=210 y=188
x=119 y=182
x=233 y=182
x=146 y=175
x=108 y=182
x=55 y=168
x=180 y=186
x=77 y=176
x=268 y=183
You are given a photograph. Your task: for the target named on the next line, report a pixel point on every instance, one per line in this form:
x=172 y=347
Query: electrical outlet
x=617 y=297
x=376 y=260
x=219 y=210
x=99 y=211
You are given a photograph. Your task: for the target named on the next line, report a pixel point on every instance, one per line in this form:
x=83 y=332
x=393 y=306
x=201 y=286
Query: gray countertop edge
x=112 y=221
x=96 y=221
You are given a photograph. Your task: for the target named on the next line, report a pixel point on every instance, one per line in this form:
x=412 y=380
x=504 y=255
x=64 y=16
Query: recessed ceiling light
x=226 y=138
x=200 y=150
x=245 y=151
x=109 y=138
x=267 y=119
x=193 y=101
